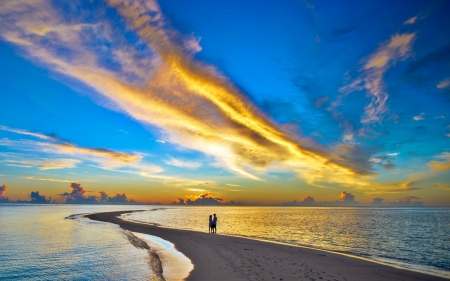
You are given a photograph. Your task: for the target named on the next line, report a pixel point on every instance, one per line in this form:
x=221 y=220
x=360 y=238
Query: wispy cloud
x=49 y=164
x=441 y=185
x=103 y=158
x=47 y=179
x=420 y=117
x=395 y=49
x=411 y=20
x=194 y=105
x=27 y=133
x=444 y=84
x=443 y=165
x=393 y=154
x=184 y=164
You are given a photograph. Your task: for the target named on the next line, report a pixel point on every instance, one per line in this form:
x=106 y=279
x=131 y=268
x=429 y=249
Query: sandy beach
x=218 y=257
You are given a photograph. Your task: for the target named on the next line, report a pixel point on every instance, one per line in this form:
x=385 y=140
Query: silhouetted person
x=210 y=223
x=214 y=224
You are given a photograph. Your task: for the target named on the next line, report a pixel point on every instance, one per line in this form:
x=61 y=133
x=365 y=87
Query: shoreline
x=226 y=257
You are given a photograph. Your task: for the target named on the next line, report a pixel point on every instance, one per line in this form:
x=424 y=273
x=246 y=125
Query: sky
x=264 y=102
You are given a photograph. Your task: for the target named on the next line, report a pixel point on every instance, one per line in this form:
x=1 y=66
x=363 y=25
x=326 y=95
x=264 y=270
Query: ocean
x=413 y=238
x=52 y=242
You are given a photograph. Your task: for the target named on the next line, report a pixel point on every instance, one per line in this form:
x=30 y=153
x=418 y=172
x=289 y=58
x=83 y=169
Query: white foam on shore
x=176 y=266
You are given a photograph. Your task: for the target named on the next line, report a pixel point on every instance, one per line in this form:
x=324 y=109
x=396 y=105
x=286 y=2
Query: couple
x=212 y=224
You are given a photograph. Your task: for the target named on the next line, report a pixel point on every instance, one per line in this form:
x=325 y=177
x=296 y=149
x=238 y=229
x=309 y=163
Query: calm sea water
x=38 y=243
x=412 y=238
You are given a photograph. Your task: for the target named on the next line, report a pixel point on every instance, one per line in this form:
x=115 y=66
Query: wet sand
x=218 y=257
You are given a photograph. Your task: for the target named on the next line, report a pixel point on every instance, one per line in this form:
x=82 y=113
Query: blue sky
x=256 y=103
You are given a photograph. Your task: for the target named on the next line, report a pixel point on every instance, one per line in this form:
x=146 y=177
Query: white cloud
x=183 y=164
x=420 y=117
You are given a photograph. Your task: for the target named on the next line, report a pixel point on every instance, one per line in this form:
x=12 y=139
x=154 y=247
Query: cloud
x=444 y=83
x=179 y=202
x=159 y=83
x=103 y=196
x=383 y=161
x=307 y=200
x=25 y=132
x=3 y=190
x=411 y=20
x=406 y=202
x=320 y=101
x=441 y=166
x=37 y=198
x=49 y=164
x=346 y=197
x=118 y=198
x=393 y=154
x=441 y=185
x=192 y=44
x=47 y=179
x=204 y=199
x=419 y=117
x=196 y=189
x=395 y=49
x=377 y=201
x=104 y=158
x=183 y=164
x=77 y=195
x=176 y=181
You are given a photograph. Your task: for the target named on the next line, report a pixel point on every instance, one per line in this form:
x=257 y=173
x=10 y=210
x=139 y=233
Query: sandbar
x=221 y=257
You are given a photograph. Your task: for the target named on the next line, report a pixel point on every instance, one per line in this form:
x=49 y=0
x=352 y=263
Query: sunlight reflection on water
x=414 y=238
x=38 y=243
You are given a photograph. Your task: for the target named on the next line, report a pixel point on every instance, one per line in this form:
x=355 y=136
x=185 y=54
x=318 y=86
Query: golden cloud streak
x=248 y=135
x=49 y=164
x=194 y=105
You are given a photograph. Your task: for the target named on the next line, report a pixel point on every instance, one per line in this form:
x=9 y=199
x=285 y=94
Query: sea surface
x=53 y=242
x=413 y=238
